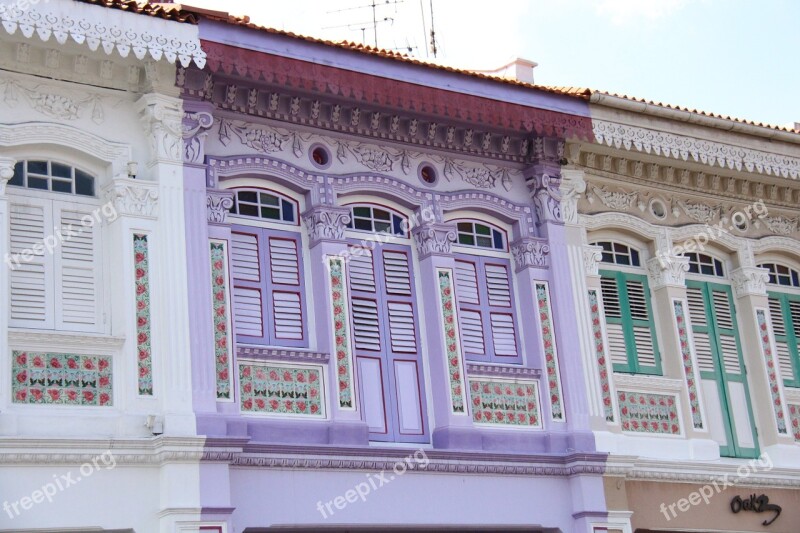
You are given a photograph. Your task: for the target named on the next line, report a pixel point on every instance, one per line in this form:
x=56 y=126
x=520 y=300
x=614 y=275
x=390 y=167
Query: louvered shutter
x=249 y=285
x=642 y=324
x=77 y=270
x=723 y=315
x=702 y=339
x=285 y=289
x=469 y=313
x=498 y=290
x=615 y=330
x=365 y=311
x=786 y=328
x=32 y=300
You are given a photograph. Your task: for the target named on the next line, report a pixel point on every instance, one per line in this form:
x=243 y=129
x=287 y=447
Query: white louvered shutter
x=614 y=330
x=77 y=271
x=642 y=322
x=248 y=285
x=702 y=340
x=32 y=299
x=285 y=275
x=781 y=344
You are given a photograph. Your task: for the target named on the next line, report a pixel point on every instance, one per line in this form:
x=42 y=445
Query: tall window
x=55 y=261
x=719 y=357
x=267 y=265
x=632 y=341
x=784 y=307
x=485 y=296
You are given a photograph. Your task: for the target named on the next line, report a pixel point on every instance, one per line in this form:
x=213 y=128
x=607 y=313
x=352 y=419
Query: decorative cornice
x=479 y=369
x=146 y=452
x=667 y=270
x=750 y=281
x=96 y=27
x=706 y=152
x=592 y=255
x=434 y=239
x=218 y=205
x=132 y=197
x=6 y=172
x=280 y=354
x=530 y=252
x=326 y=223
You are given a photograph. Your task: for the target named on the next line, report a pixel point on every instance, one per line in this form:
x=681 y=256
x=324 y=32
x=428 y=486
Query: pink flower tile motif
x=765 y=334
x=61 y=379
x=144 y=352
x=550 y=353
x=688 y=365
x=453 y=354
x=794 y=420
x=504 y=402
x=275 y=389
x=648 y=413
x=600 y=354
x=222 y=340
x=344 y=361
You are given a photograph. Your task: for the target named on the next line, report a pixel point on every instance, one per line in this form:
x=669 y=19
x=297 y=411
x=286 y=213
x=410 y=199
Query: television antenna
x=374 y=5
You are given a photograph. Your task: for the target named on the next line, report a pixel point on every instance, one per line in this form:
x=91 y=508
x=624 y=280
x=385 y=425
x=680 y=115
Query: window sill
x=495 y=370
x=792 y=394
x=61 y=341
x=299 y=355
x=648 y=382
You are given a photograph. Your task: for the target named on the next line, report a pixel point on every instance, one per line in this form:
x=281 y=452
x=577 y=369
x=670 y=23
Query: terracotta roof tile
x=165 y=11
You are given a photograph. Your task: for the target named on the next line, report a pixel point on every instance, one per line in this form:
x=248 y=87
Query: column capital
x=592 y=255
x=198 y=118
x=162 y=119
x=133 y=197
x=750 y=281
x=667 y=270
x=218 y=205
x=544 y=182
x=434 y=238
x=326 y=223
x=6 y=172
x=572 y=187
x=530 y=252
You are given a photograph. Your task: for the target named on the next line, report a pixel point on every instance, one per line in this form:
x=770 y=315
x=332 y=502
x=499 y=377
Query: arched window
x=55 y=258
x=630 y=326
x=784 y=307
x=375 y=219
x=266 y=205
x=485 y=295
x=480 y=235
x=705 y=264
x=267 y=269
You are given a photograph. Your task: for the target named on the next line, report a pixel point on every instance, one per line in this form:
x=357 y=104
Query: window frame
x=492 y=227
x=50 y=177
x=794 y=275
x=632 y=252
x=403 y=220
x=258 y=190
x=628 y=322
x=715 y=262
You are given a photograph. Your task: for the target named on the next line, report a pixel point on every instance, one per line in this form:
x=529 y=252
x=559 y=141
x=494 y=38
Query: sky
x=733 y=57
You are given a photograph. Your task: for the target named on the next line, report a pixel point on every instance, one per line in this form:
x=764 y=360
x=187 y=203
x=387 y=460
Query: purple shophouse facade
x=378 y=268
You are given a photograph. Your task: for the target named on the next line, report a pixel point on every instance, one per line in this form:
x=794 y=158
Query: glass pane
x=707 y=269
x=397 y=225
x=380 y=214
x=466 y=239
x=37 y=167
x=782 y=269
x=635 y=258
x=248 y=210
x=62 y=186
x=362 y=212
x=271 y=213
x=350 y=224
x=234 y=208
x=718 y=267
x=620 y=248
x=268 y=199
x=623 y=260
x=37 y=183
x=466 y=227
x=693 y=268
x=795 y=279
x=84 y=184
x=382 y=226
x=288 y=211
x=484 y=242
x=605 y=245
x=784 y=281
x=18 y=175
x=363 y=224
x=608 y=257
x=773 y=278
x=248 y=196
x=498 y=240
x=62 y=171
x=480 y=229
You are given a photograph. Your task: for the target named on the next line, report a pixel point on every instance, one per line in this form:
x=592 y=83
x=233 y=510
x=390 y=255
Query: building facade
x=257 y=281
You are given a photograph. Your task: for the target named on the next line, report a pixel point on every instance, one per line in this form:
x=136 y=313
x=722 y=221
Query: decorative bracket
x=750 y=281
x=326 y=223
x=434 y=239
x=218 y=205
x=667 y=270
x=6 y=172
x=530 y=252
